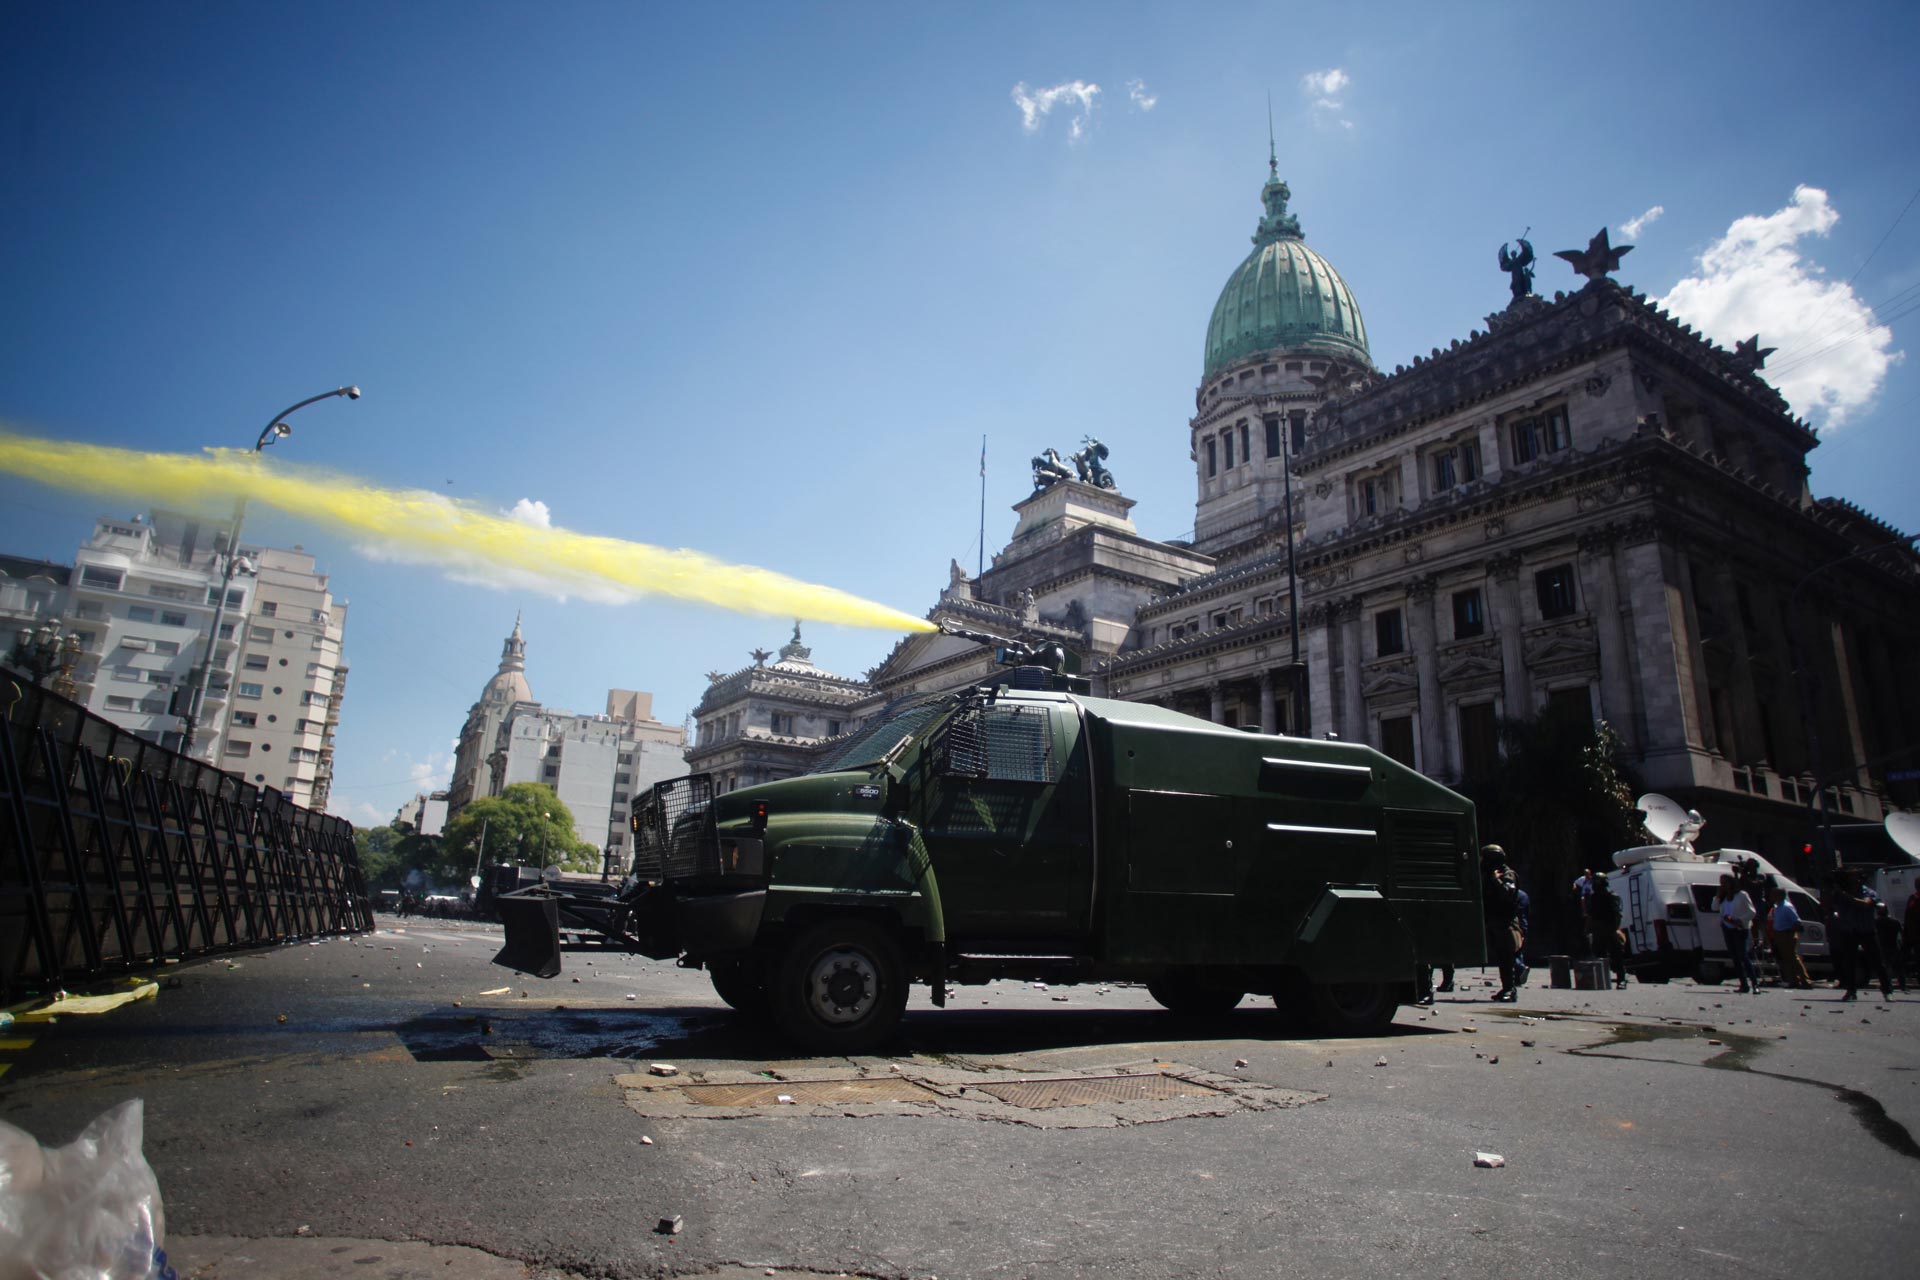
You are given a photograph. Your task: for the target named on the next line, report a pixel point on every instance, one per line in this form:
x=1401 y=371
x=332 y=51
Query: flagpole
x=981 y=567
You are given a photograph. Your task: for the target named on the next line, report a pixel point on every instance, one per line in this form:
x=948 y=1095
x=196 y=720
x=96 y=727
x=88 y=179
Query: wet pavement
x=392 y=1096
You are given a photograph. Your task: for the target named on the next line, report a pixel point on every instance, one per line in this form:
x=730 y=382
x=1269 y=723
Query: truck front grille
x=673 y=831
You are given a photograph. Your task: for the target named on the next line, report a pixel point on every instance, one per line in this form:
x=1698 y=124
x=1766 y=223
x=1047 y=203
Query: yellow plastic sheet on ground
x=101 y=1002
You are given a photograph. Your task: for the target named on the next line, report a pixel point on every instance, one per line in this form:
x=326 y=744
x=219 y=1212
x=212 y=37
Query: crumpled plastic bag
x=87 y=1211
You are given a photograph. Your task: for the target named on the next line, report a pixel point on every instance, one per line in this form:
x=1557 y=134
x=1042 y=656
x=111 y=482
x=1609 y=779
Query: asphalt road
x=1644 y=1131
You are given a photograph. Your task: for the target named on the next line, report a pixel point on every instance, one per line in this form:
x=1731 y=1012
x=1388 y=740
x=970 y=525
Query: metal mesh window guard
x=673 y=831
x=870 y=743
x=998 y=743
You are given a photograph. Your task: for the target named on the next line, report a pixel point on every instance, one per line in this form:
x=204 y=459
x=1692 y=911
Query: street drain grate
x=1088 y=1091
x=808 y=1092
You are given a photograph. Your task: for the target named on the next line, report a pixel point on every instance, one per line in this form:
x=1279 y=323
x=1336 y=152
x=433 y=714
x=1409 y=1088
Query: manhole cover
x=808 y=1092
x=1088 y=1091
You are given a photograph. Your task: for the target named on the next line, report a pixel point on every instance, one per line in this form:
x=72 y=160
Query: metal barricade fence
x=117 y=854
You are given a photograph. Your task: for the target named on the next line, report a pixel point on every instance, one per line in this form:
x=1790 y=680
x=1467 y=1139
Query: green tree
x=380 y=863
x=389 y=854
x=525 y=823
x=1559 y=802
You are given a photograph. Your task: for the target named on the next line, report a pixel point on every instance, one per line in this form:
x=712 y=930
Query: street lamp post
x=276 y=429
x=1797 y=625
x=49 y=651
x=1296 y=687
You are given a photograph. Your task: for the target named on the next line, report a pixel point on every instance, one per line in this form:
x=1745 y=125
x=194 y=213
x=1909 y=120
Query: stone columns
x=1890 y=721
x=1423 y=635
x=1848 y=689
x=1217 y=695
x=1269 y=721
x=1598 y=577
x=1749 y=744
x=1504 y=573
x=1344 y=617
x=1703 y=732
x=1317 y=653
x=1664 y=657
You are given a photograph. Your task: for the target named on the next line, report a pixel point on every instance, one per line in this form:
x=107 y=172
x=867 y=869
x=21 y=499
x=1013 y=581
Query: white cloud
x=1632 y=227
x=1833 y=354
x=432 y=774
x=528 y=511
x=1138 y=95
x=1078 y=96
x=361 y=814
x=1327 y=91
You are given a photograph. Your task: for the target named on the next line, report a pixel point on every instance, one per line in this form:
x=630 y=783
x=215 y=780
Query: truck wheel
x=740 y=984
x=840 y=987
x=1709 y=974
x=1352 y=1008
x=1178 y=993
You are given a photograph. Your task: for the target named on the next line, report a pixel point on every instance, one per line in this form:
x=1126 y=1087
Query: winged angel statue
x=1519 y=267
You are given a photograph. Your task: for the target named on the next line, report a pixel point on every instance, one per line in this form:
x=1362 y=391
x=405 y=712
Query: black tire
x=840 y=987
x=1709 y=973
x=742 y=984
x=1352 y=1008
x=1179 y=993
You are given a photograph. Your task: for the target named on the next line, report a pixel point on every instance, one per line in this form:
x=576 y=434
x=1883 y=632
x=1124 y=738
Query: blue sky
x=756 y=279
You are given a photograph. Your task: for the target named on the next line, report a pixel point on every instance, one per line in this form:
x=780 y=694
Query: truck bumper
x=716 y=923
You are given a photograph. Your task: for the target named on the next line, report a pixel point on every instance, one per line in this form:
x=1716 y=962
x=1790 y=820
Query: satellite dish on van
x=1905 y=830
x=1662 y=818
x=550 y=874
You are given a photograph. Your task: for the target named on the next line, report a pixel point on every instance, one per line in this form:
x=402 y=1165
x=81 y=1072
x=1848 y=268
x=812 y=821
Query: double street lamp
x=48 y=651
x=276 y=429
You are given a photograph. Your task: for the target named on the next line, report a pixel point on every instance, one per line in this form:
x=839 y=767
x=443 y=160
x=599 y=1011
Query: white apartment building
x=140 y=597
x=142 y=600
x=286 y=693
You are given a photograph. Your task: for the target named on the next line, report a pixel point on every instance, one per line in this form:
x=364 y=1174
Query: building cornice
x=1518 y=350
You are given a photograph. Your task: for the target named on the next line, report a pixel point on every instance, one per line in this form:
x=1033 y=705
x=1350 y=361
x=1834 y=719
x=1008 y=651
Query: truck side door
x=1005 y=811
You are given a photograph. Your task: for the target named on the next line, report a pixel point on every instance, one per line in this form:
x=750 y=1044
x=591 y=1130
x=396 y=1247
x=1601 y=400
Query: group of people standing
x=1864 y=939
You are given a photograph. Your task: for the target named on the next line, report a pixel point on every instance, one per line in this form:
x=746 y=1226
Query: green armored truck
x=1023 y=829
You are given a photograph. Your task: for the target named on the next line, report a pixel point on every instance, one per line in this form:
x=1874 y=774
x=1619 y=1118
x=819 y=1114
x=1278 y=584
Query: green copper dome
x=1284 y=297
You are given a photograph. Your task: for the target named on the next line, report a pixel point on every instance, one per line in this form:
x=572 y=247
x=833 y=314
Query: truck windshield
x=869 y=744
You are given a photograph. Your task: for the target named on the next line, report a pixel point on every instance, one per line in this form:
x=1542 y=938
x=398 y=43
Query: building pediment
x=1470 y=662
x=1388 y=678
x=1558 y=648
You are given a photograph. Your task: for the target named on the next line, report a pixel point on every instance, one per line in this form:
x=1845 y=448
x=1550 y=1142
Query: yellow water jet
x=452 y=532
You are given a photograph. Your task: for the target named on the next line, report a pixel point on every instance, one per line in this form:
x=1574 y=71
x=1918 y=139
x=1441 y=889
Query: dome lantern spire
x=513 y=653
x=1277 y=224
